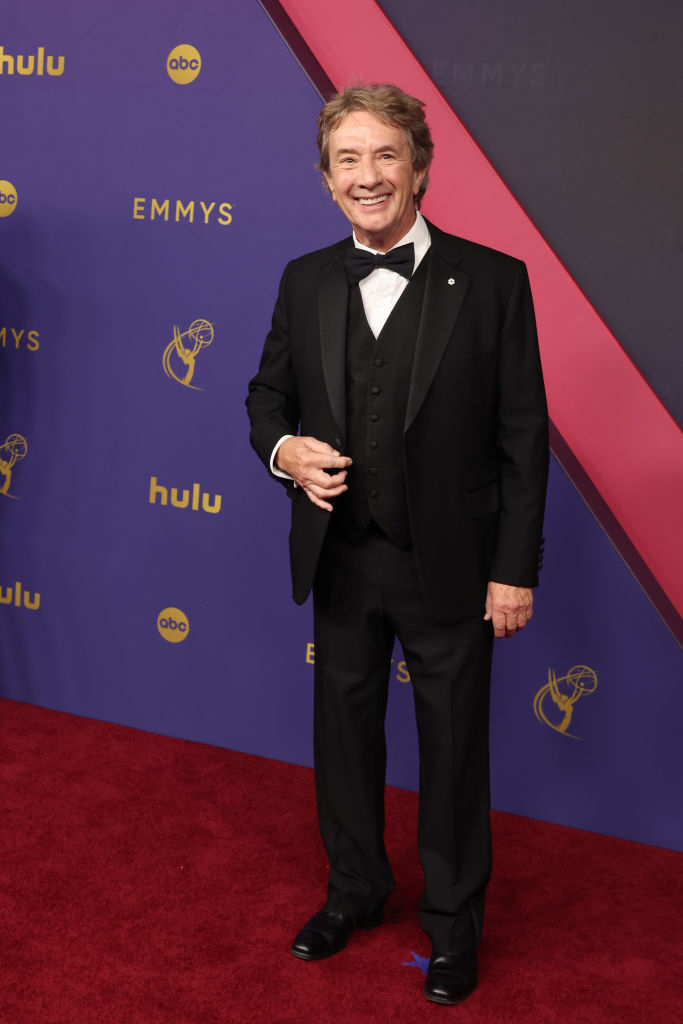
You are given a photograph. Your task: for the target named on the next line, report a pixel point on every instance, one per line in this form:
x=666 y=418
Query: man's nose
x=369 y=173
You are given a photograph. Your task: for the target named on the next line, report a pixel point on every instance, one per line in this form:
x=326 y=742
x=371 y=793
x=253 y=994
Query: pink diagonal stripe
x=625 y=439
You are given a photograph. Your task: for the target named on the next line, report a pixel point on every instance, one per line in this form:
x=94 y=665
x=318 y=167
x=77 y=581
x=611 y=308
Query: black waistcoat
x=377 y=381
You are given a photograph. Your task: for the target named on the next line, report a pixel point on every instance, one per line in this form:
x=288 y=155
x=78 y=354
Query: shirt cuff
x=273 y=468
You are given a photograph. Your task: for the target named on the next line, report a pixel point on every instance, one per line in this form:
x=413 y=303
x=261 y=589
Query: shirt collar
x=418 y=235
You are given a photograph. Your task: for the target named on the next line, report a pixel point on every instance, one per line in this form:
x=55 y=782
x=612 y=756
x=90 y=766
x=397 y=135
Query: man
x=400 y=400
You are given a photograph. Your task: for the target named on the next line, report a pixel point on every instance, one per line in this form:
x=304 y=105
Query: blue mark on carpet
x=418 y=961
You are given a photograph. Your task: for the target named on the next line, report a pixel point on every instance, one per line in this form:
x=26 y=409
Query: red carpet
x=146 y=880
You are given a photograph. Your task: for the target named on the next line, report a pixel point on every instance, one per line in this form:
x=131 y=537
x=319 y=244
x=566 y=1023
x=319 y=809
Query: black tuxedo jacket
x=475 y=432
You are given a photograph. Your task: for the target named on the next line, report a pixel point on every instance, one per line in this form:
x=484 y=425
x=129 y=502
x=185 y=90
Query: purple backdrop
x=100 y=269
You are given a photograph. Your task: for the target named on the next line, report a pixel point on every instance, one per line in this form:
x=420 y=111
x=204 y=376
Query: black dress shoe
x=451 y=978
x=327 y=933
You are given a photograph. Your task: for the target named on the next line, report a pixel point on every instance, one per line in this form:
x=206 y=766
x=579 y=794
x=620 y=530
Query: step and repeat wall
x=156 y=174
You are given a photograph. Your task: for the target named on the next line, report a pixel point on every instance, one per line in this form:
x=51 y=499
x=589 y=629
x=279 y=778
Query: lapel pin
x=451 y=280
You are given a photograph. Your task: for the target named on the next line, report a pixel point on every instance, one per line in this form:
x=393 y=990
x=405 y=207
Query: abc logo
x=184 y=64
x=173 y=625
x=8 y=198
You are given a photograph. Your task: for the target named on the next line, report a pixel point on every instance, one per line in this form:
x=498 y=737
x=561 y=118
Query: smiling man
x=400 y=401
x=372 y=179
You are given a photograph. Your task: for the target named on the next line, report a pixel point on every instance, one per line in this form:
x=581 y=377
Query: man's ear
x=330 y=186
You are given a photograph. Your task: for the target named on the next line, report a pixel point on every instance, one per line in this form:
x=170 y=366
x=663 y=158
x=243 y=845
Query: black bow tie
x=359 y=262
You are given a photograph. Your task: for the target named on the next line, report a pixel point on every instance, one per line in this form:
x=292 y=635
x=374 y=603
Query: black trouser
x=367 y=593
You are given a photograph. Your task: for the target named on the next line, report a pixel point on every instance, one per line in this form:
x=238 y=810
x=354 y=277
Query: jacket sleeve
x=272 y=402
x=522 y=442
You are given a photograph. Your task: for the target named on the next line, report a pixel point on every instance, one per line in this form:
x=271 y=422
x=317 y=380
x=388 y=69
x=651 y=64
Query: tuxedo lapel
x=333 y=299
x=444 y=295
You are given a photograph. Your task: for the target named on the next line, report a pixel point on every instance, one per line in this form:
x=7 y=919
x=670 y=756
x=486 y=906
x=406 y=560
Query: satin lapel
x=445 y=292
x=333 y=299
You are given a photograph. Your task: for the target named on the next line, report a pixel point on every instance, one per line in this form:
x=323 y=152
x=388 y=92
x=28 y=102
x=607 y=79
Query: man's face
x=372 y=179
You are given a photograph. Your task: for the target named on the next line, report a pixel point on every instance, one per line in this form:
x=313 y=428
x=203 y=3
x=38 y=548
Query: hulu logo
x=13 y=595
x=194 y=499
x=33 y=64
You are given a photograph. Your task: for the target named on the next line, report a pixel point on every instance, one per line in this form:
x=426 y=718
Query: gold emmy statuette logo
x=199 y=334
x=8 y=198
x=12 y=451
x=564 y=694
x=173 y=625
x=183 y=64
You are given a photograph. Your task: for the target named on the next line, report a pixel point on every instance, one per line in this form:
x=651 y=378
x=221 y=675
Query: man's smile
x=371 y=201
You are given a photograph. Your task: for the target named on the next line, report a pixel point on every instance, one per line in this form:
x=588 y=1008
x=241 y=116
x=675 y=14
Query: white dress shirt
x=380 y=291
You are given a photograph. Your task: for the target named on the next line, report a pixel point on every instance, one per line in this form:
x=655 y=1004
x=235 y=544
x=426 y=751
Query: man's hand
x=508 y=608
x=305 y=459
